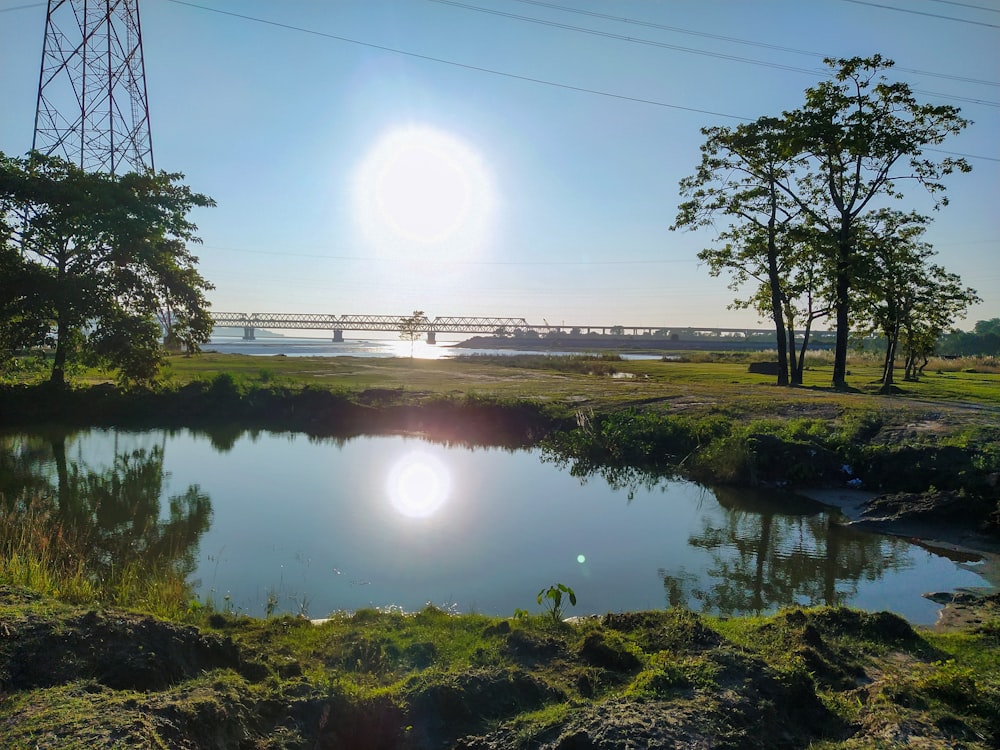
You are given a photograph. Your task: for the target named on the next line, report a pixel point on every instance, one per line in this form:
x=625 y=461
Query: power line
x=630 y=39
x=967 y=5
x=921 y=13
x=750 y=42
x=664 y=27
x=490 y=71
x=959 y=153
x=691 y=50
x=466 y=66
x=969 y=99
x=21 y=7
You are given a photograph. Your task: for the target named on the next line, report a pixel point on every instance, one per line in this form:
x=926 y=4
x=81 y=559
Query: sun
x=418 y=485
x=420 y=188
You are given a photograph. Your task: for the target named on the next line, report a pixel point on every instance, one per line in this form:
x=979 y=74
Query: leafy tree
x=862 y=138
x=817 y=172
x=941 y=299
x=410 y=328
x=808 y=296
x=897 y=260
x=908 y=300
x=739 y=176
x=95 y=258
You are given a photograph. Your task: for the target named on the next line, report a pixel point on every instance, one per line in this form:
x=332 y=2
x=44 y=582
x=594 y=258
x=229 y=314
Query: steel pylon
x=92 y=107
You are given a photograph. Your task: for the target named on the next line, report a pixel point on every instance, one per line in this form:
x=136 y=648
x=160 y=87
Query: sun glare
x=423 y=188
x=418 y=485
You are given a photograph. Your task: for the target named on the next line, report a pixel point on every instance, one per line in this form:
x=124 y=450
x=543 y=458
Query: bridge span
x=486 y=325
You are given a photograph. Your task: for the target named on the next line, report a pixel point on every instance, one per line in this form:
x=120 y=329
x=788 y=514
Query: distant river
x=319 y=525
x=292 y=346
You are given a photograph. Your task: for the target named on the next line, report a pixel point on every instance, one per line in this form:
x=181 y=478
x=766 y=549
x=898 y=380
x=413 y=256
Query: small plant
x=553 y=599
x=272 y=603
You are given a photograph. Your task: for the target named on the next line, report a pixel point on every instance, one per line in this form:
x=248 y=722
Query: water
x=301 y=346
x=323 y=525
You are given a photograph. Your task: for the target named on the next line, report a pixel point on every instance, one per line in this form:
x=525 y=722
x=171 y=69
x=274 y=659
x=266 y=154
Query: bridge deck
x=467 y=325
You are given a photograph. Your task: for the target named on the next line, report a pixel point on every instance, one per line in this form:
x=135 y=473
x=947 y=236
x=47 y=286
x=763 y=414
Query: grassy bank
x=825 y=678
x=83 y=664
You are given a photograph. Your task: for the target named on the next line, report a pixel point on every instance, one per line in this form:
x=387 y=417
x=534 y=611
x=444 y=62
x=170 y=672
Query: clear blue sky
x=547 y=202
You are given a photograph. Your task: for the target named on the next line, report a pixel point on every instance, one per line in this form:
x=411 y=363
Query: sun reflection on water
x=418 y=485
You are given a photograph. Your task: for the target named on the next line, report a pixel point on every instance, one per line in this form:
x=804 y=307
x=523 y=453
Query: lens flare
x=424 y=190
x=418 y=485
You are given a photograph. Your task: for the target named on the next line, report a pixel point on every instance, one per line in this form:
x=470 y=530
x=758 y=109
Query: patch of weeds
x=528 y=726
x=607 y=649
x=677 y=630
x=662 y=680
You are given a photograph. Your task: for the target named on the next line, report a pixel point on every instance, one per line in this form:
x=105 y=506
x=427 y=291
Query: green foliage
x=225 y=387
x=553 y=600
x=101 y=261
x=983 y=340
x=799 y=190
x=97 y=536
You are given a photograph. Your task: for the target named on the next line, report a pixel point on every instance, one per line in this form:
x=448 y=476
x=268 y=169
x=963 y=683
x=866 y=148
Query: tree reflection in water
x=110 y=519
x=773 y=550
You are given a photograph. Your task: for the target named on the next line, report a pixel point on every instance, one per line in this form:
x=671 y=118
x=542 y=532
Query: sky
x=507 y=158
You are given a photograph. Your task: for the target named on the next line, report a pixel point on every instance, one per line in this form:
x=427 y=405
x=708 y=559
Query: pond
x=297 y=524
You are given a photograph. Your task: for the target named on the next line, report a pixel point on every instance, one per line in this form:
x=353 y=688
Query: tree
x=909 y=300
x=941 y=299
x=410 y=328
x=98 y=258
x=897 y=264
x=739 y=177
x=861 y=139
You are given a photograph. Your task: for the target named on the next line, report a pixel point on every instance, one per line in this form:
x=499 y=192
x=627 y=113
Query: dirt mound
x=753 y=706
x=117 y=650
x=935 y=505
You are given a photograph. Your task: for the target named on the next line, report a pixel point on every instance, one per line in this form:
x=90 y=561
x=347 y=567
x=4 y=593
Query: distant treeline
x=982 y=340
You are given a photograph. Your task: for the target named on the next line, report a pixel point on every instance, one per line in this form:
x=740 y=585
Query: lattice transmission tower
x=92 y=108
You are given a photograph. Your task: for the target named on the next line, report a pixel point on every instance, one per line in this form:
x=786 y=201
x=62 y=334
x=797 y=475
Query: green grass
x=40 y=553
x=705 y=382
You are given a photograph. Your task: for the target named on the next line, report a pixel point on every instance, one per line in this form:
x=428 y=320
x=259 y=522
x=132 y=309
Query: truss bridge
x=679 y=337
x=396 y=323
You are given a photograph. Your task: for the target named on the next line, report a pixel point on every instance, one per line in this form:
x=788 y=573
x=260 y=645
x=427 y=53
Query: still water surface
x=301 y=346
x=320 y=525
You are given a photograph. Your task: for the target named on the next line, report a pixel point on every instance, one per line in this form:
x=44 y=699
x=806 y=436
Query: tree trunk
x=774 y=282
x=800 y=364
x=842 y=302
x=795 y=371
x=843 y=324
x=889 y=366
x=779 y=329
x=58 y=375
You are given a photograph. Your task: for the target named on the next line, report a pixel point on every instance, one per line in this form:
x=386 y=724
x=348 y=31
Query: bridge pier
x=248 y=333
x=338 y=336
x=431 y=337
